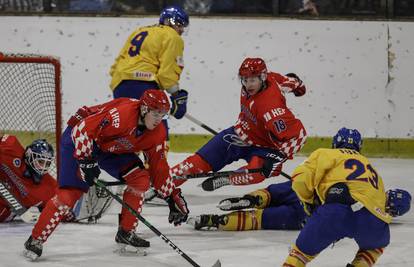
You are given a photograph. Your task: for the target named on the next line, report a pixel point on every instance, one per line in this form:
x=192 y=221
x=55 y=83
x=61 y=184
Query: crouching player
x=25 y=184
x=344 y=196
x=106 y=137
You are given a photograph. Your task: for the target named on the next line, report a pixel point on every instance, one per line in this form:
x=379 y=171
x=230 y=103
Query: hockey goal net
x=30 y=103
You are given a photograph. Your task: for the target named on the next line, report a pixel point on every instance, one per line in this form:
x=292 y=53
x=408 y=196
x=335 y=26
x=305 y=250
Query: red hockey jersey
x=266 y=121
x=14 y=176
x=113 y=127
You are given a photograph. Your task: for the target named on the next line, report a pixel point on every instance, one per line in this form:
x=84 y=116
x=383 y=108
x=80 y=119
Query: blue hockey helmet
x=347 y=138
x=398 y=202
x=39 y=156
x=175 y=15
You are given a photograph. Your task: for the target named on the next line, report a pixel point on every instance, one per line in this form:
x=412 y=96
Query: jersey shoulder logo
x=17 y=162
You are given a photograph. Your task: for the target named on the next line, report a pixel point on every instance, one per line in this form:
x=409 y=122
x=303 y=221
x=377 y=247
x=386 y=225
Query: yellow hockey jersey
x=151 y=53
x=326 y=167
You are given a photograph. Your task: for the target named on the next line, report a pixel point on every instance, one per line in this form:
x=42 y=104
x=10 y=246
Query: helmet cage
x=39 y=162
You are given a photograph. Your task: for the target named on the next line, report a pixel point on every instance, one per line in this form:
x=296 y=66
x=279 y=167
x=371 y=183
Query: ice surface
x=93 y=245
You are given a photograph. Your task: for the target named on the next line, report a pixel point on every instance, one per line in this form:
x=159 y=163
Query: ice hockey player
x=273 y=208
x=152 y=57
x=265 y=135
x=106 y=137
x=24 y=177
x=353 y=202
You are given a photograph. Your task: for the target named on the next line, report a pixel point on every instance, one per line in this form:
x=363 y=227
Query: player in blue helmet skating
x=152 y=58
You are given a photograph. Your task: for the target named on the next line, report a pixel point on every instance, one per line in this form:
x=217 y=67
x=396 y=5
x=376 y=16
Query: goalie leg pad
x=56 y=209
x=138 y=181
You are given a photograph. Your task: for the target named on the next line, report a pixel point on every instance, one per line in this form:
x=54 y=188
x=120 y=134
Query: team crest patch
x=17 y=162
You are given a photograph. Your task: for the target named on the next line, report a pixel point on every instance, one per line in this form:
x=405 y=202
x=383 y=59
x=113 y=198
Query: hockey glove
x=272 y=165
x=89 y=170
x=82 y=113
x=299 y=90
x=179 y=103
x=309 y=208
x=178 y=207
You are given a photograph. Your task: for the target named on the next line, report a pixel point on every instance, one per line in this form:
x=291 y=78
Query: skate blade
x=30 y=255
x=127 y=250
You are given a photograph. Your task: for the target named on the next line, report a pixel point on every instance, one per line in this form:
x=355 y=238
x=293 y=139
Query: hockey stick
x=202 y=125
x=114 y=183
x=14 y=204
x=216 y=174
x=223 y=174
x=199 y=123
x=152 y=228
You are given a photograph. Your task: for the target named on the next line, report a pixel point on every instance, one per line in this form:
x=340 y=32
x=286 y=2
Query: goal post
x=30 y=102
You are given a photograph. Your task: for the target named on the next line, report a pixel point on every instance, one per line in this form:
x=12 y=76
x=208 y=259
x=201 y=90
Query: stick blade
x=217 y=264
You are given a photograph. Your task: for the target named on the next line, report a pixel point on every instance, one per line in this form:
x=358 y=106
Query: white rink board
x=92 y=245
x=359 y=74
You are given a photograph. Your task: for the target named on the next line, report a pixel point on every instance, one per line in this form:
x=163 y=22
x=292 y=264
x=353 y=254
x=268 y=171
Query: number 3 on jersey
x=136 y=44
x=359 y=169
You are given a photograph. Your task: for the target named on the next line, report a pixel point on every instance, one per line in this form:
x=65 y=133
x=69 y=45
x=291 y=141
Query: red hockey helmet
x=253 y=67
x=156 y=100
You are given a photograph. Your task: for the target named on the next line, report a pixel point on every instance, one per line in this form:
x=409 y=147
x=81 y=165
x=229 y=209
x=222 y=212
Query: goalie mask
x=38 y=157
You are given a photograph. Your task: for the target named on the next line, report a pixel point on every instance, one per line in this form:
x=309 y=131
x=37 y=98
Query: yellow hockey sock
x=297 y=258
x=264 y=198
x=367 y=258
x=242 y=221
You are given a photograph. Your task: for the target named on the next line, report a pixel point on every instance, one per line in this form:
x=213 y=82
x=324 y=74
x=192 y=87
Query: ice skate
x=130 y=244
x=214 y=183
x=238 y=203
x=206 y=221
x=33 y=249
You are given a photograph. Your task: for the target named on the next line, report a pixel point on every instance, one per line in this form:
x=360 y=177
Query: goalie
x=25 y=183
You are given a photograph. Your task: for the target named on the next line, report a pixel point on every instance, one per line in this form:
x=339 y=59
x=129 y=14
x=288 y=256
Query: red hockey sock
x=191 y=165
x=56 y=208
x=138 y=182
x=249 y=178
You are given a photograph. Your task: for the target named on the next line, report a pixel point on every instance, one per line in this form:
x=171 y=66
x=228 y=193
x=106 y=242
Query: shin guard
x=297 y=258
x=56 y=209
x=137 y=181
x=242 y=221
x=367 y=258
